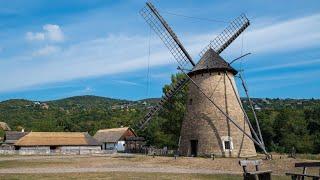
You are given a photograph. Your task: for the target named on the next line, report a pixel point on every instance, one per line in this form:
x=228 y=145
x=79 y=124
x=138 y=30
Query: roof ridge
x=109 y=129
x=212 y=61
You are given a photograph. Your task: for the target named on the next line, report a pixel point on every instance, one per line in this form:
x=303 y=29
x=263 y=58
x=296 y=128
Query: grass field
x=122 y=166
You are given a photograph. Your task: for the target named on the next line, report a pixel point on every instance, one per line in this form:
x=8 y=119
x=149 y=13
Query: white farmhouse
x=115 y=138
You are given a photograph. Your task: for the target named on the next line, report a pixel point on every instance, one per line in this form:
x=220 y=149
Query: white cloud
x=47 y=50
x=294 y=76
x=286 y=36
x=51 y=32
x=286 y=65
x=262 y=38
x=54 y=33
x=127 y=83
x=120 y=53
x=277 y=81
x=37 y=36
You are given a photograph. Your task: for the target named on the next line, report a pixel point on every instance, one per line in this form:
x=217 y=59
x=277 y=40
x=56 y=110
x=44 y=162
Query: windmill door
x=194 y=148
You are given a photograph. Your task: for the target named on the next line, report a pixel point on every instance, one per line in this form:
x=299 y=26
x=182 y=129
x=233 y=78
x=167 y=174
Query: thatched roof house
x=12 y=137
x=57 y=139
x=57 y=142
x=120 y=139
x=113 y=135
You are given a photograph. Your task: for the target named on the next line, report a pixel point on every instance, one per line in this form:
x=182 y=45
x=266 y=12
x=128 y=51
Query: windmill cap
x=212 y=62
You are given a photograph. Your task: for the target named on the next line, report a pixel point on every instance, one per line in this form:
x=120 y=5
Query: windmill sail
x=166 y=34
x=167 y=96
x=228 y=35
x=170 y=39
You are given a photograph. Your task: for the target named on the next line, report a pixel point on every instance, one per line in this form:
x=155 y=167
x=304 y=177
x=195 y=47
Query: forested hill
x=79 y=113
x=284 y=122
x=89 y=113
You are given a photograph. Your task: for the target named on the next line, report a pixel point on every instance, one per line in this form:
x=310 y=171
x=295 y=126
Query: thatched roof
x=212 y=62
x=11 y=137
x=57 y=139
x=112 y=135
x=4 y=126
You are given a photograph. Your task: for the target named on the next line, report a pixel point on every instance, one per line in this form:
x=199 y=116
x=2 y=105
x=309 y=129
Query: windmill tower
x=205 y=130
x=215 y=121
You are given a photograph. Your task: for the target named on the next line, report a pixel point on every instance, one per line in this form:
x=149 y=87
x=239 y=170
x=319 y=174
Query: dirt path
x=105 y=163
x=117 y=169
x=133 y=163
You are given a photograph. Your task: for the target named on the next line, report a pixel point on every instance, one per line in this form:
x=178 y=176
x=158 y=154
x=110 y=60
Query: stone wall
x=206 y=124
x=41 y=150
x=79 y=149
x=45 y=150
x=8 y=151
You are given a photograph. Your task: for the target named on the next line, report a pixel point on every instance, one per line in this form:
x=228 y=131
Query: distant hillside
x=278 y=104
x=297 y=118
x=79 y=113
x=104 y=112
x=87 y=102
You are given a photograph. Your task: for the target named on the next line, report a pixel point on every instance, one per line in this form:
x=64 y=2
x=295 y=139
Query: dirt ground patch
x=119 y=175
x=137 y=165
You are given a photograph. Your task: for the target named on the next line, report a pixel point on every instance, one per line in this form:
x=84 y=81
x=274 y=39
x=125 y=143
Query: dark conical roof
x=212 y=62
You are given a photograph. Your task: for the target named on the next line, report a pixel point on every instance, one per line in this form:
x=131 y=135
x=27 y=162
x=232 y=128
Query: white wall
x=79 y=149
x=121 y=145
x=62 y=149
x=34 y=150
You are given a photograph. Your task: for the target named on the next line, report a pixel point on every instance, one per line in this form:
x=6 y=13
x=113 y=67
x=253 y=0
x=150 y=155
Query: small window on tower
x=190 y=101
x=227 y=145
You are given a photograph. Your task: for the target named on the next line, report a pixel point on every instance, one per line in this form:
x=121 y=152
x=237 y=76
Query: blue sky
x=56 y=49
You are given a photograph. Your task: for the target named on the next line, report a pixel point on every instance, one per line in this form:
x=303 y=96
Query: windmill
x=215 y=121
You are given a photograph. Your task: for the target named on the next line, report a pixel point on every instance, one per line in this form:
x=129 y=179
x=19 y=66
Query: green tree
x=313 y=120
x=164 y=130
x=291 y=130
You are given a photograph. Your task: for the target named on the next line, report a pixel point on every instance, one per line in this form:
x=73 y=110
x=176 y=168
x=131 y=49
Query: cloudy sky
x=56 y=49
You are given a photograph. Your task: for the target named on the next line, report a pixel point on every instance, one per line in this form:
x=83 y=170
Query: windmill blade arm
x=236 y=59
x=166 y=97
x=228 y=35
x=166 y=34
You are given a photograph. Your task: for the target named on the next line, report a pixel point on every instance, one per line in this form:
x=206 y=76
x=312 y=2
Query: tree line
x=282 y=128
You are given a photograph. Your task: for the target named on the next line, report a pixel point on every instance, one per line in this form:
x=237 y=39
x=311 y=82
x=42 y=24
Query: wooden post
x=212 y=156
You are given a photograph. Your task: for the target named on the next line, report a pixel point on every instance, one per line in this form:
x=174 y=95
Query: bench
x=304 y=174
x=254 y=175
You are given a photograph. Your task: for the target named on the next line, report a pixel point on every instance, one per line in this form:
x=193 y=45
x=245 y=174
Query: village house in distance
x=112 y=140
x=57 y=142
x=122 y=139
x=11 y=137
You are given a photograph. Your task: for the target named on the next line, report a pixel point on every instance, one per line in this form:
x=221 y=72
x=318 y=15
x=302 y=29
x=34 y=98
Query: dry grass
x=125 y=175
x=226 y=166
x=33 y=163
x=309 y=156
